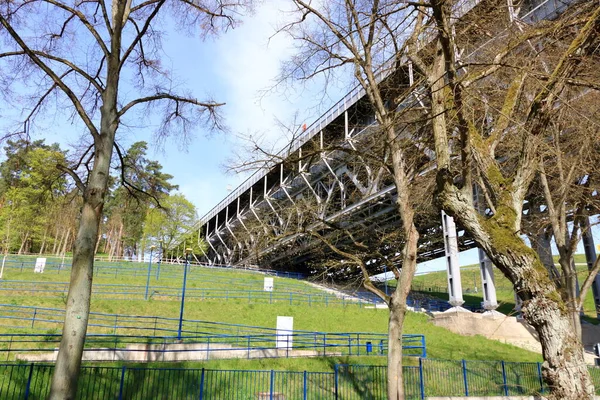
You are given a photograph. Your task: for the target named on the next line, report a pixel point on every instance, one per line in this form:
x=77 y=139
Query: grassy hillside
x=436 y=284
x=441 y=343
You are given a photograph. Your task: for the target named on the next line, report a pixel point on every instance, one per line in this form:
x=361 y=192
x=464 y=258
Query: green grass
x=441 y=343
x=436 y=283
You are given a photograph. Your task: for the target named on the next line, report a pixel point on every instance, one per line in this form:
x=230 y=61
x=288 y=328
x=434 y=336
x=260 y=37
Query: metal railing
x=346 y=382
x=54 y=289
x=204 y=346
x=165 y=268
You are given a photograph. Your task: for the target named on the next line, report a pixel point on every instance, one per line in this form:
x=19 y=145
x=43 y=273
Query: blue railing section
x=31 y=317
x=207 y=346
x=129 y=291
x=429 y=378
x=127 y=268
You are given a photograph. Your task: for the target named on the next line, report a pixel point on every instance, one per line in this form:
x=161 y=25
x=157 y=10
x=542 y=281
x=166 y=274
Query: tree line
x=39 y=204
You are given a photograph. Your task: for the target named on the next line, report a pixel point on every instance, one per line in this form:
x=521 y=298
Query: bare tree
x=349 y=173
x=101 y=62
x=562 y=197
x=491 y=106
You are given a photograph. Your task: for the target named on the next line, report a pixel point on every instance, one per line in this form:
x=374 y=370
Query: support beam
x=452 y=266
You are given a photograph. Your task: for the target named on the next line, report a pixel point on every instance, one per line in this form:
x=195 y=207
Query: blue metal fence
x=128 y=268
x=346 y=382
x=207 y=346
x=293 y=297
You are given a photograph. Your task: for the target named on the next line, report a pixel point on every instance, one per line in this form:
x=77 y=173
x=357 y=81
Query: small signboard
x=40 y=264
x=285 y=331
x=268 y=285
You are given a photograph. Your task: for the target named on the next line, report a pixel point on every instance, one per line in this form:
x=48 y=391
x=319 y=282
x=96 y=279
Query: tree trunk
x=97 y=244
x=23 y=243
x=66 y=371
x=43 y=245
x=395 y=386
x=55 y=242
x=564 y=368
x=65 y=242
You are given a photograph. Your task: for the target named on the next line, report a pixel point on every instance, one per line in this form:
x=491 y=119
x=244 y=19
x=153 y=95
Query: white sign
x=268 y=284
x=285 y=330
x=40 y=264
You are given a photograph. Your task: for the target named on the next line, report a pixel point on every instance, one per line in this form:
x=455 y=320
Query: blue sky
x=233 y=68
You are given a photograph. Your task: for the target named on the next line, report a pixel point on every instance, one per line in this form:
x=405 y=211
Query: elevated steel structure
x=342 y=186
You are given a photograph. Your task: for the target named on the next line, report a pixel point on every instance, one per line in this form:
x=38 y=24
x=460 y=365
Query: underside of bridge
x=331 y=190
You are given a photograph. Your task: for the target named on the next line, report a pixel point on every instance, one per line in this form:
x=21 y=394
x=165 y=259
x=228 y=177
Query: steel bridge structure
x=323 y=169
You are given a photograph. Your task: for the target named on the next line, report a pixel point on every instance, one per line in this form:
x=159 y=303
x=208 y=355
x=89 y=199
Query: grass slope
x=441 y=343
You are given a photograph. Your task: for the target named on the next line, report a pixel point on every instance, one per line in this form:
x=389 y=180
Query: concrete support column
x=490 y=301
x=590 y=258
x=452 y=266
x=486 y=268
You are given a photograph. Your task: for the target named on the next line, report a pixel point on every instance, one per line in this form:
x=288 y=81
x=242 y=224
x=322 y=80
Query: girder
x=263 y=216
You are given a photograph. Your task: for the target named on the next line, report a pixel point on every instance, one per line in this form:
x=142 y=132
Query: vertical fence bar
x=272 y=385
x=305 y=387
x=33 y=319
x=122 y=384
x=336 y=381
x=421 y=380
x=504 y=379
x=464 y=369
x=28 y=387
x=201 y=384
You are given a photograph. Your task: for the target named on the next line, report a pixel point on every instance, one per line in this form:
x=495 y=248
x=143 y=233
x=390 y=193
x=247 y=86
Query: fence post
x=272 y=385
x=201 y=384
x=33 y=319
x=539 y=368
x=27 y=388
x=122 y=384
x=421 y=379
x=504 y=379
x=304 y=386
x=464 y=368
x=336 y=387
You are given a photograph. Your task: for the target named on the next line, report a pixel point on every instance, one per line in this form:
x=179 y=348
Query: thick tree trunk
x=564 y=368
x=66 y=372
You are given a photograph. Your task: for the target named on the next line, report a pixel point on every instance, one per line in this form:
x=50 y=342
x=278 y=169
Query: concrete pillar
x=486 y=268
x=452 y=266
x=590 y=258
x=490 y=301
